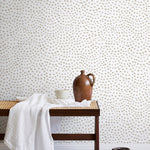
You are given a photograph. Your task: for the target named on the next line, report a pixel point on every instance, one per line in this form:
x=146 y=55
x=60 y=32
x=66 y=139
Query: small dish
x=18 y=98
x=62 y=94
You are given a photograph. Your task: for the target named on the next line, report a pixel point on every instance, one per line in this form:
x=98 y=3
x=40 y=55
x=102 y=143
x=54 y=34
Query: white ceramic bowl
x=62 y=94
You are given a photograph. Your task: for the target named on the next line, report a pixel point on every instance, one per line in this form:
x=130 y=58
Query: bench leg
x=96 y=132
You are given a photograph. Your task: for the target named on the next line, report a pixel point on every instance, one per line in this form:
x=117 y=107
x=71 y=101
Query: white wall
x=45 y=44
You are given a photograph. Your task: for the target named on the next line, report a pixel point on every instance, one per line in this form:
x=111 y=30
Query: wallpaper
x=45 y=44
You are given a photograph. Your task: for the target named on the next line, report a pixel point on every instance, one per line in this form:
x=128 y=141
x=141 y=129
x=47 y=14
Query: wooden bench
x=93 y=110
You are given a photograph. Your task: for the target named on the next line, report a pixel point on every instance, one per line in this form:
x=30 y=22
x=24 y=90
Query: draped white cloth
x=29 y=127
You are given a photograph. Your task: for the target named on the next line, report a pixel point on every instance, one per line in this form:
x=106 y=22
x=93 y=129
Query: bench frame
x=71 y=112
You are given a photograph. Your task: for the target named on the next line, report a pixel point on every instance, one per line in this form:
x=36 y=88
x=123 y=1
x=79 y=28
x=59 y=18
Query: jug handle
x=90 y=74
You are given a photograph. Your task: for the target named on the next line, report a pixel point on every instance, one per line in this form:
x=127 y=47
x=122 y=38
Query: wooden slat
x=2 y=136
x=4 y=112
x=96 y=132
x=60 y=112
x=67 y=136
x=73 y=136
x=74 y=112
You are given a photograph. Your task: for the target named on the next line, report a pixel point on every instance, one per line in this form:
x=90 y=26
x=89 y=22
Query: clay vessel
x=82 y=86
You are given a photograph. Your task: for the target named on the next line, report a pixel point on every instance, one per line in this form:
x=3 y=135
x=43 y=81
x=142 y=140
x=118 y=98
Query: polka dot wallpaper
x=44 y=44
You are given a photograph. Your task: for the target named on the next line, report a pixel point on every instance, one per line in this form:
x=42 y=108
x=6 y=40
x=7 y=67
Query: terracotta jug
x=82 y=86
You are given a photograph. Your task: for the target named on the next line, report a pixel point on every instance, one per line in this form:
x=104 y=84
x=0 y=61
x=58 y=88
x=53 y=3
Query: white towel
x=28 y=126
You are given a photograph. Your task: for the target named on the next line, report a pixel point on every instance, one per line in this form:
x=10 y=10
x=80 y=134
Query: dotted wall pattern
x=44 y=44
